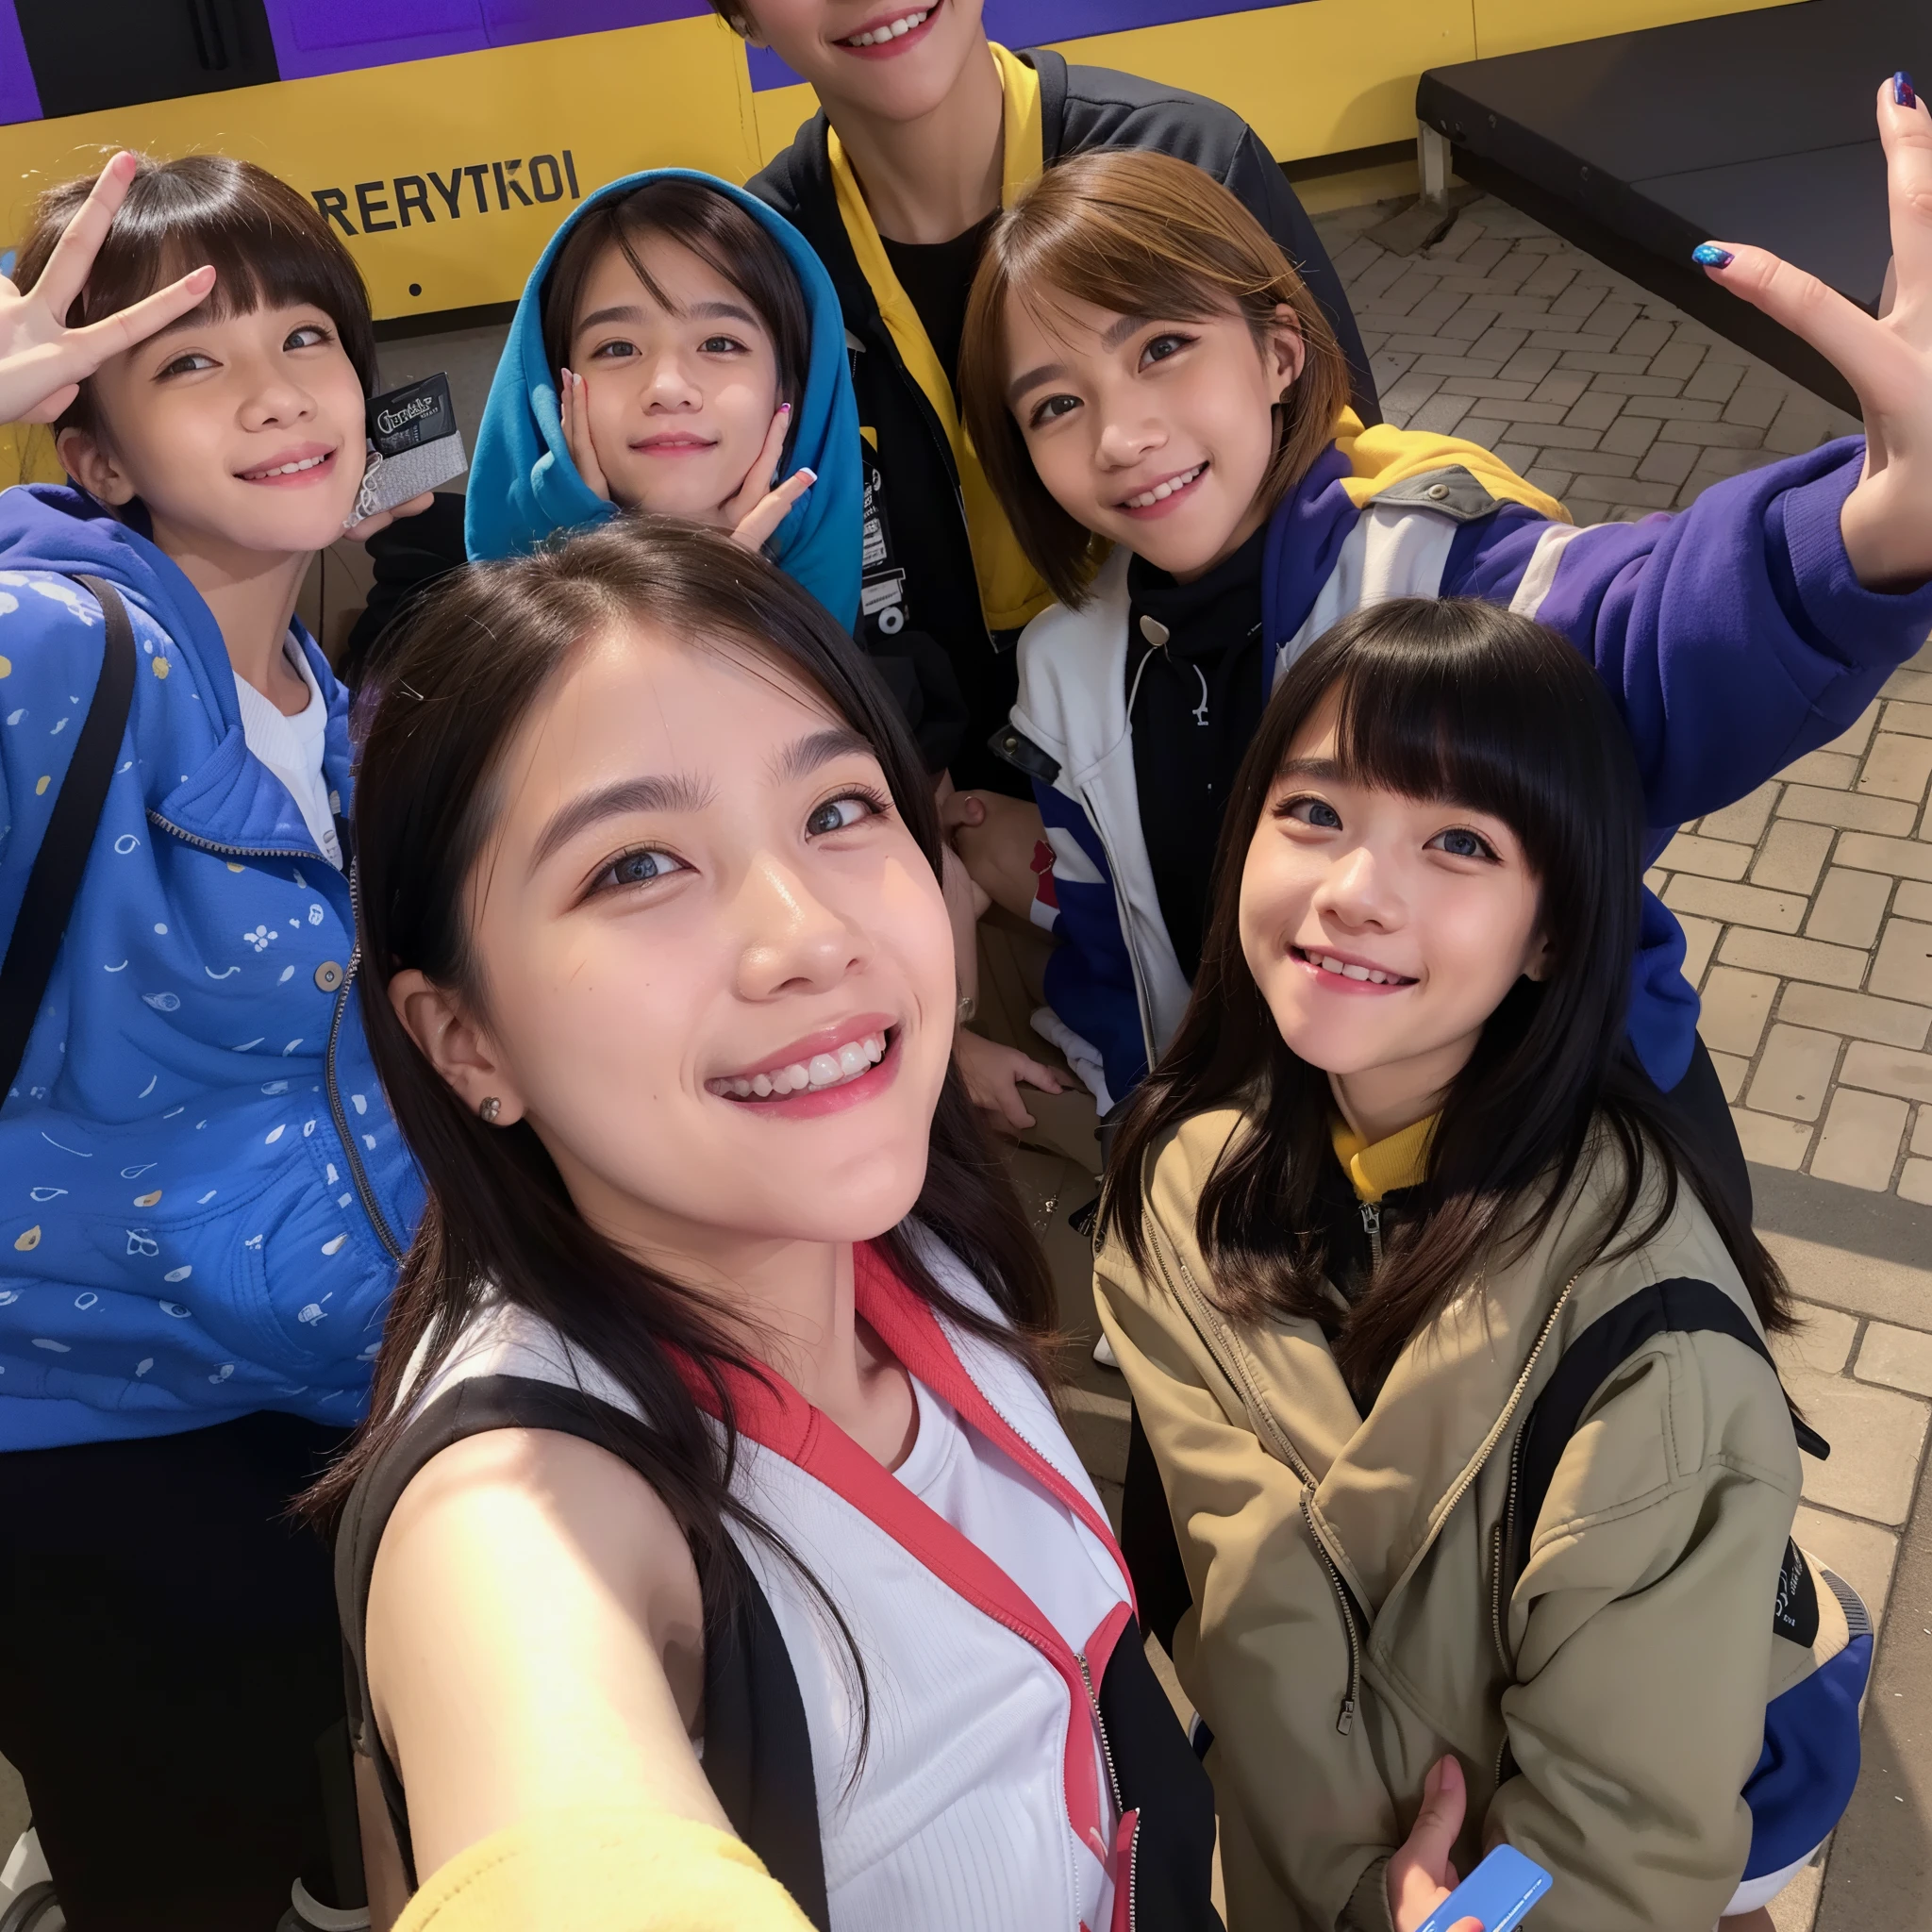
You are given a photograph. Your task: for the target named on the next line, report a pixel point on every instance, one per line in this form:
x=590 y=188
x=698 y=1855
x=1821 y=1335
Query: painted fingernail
x=810 y=476
x=1903 y=92
x=1708 y=255
x=783 y=409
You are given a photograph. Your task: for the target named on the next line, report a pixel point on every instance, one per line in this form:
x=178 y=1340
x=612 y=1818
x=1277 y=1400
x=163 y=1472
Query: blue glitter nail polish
x=1708 y=255
x=1902 y=89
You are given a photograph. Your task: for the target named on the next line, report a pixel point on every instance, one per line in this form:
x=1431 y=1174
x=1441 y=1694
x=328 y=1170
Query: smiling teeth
x=1347 y=971
x=823 y=1070
x=897 y=30
x=293 y=469
x=1162 y=491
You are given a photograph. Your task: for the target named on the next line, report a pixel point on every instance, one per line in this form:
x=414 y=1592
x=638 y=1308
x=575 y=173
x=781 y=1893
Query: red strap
x=910 y=1330
x=776 y=1415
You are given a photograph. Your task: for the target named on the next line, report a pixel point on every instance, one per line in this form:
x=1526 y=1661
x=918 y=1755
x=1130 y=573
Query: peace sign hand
x=757 y=509
x=42 y=361
x=1887 y=521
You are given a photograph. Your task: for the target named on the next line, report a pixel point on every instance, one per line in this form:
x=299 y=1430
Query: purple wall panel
x=514 y=21
x=19 y=100
x=1032 y=22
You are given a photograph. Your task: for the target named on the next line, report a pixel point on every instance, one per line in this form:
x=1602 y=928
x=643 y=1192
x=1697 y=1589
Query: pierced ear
x=1287 y=350
x=1536 y=965
x=91 y=464
x=454 y=1045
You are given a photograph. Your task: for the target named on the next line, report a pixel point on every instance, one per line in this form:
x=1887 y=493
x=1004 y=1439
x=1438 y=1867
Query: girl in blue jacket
x=202 y=1192
x=677 y=348
x=1144 y=370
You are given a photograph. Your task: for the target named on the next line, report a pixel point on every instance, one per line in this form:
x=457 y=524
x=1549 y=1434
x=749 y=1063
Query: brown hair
x=718 y=232
x=268 y=245
x=1142 y=234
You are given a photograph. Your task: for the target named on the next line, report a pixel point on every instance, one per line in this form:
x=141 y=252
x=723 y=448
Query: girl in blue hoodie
x=202 y=1192
x=678 y=349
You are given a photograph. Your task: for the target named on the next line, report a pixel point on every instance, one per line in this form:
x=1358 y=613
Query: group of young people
x=520 y=1119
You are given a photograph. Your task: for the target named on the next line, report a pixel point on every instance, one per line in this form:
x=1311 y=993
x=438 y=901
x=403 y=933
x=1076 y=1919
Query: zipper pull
x=1344 y=1722
x=1372 y=1226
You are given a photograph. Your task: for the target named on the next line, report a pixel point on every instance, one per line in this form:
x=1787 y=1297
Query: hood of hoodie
x=524 y=485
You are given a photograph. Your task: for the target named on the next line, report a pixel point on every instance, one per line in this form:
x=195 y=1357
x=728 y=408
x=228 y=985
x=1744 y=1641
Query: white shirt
x=292 y=748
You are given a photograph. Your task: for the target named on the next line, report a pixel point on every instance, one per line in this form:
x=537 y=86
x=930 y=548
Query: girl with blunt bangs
x=1449 y=1345
x=1162 y=418
x=204 y=1196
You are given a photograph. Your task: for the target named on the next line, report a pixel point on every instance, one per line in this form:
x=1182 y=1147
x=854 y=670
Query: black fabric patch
x=1794 y=1613
x=1015 y=748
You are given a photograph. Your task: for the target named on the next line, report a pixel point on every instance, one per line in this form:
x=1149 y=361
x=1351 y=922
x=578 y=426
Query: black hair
x=723 y=234
x=267 y=243
x=1457 y=700
x=470 y=662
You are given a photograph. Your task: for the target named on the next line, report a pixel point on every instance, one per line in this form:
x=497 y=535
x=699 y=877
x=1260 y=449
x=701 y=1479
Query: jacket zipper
x=1112 y=1778
x=1344 y=1718
x=1372 y=1226
x=1140 y=999
x=358 y=1173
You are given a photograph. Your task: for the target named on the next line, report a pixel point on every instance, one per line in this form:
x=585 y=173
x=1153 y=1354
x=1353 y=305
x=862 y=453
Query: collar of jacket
x=1375 y=1168
x=1011 y=590
x=1385 y=1484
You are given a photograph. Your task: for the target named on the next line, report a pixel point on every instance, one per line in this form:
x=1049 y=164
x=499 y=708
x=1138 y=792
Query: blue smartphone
x=1499 y=1892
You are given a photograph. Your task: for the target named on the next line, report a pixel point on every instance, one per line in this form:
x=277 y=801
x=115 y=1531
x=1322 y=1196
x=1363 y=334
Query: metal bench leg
x=1432 y=153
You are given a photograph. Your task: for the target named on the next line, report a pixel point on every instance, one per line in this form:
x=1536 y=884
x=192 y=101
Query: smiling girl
x=204 y=1196
x=677 y=349
x=711 y=1486
x=1159 y=411
x=1449 y=1345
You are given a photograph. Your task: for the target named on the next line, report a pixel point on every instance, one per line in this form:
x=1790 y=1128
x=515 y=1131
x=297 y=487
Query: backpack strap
x=1681 y=1307
x=60 y=865
x=757 y=1747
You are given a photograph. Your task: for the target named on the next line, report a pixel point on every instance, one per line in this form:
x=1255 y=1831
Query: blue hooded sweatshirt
x=202 y=1193
x=524 y=485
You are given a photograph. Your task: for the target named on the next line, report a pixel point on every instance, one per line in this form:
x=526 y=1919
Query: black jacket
x=921 y=593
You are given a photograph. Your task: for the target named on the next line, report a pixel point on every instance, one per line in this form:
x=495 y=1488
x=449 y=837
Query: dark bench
x=1752 y=128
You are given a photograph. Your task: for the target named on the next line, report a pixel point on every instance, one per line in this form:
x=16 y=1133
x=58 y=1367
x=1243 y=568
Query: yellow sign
x=443 y=177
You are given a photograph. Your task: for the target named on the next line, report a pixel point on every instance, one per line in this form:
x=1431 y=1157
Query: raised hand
x=42 y=361
x=1887 y=521
x=757 y=509
x=574 y=399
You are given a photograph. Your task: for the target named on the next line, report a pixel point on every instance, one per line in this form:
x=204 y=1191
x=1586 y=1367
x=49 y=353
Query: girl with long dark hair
x=711 y=1496
x=1449 y=1345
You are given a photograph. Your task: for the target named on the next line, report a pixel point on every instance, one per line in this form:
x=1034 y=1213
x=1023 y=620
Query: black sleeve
x=920 y=675
x=1265 y=190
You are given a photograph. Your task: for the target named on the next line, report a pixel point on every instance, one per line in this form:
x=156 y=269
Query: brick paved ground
x=1807 y=905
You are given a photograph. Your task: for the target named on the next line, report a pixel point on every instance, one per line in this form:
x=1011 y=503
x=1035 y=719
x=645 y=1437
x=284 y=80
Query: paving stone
x=1401 y=397
x=1907 y=858
x=1922 y=1132
x=1771 y=1142
x=1714 y=859
x=1915 y=1182
x=1861 y=1553
x=1914 y=900
x=1889 y=1022
x=1859 y=1144
x=1853 y=811
x=1916 y=719
x=1755 y=404
x=1673 y=410
x=1439 y=415
x=1551 y=482
x=1595 y=412
x=1534 y=365
x=1914 y=685
x=1821 y=1342
x=1732 y=1068
x=1793 y=855
x=1645 y=337
x=1794 y=1073
x=1597 y=463
x=1745 y=820
x=1700 y=938
x=1716 y=379
x=1736 y=1006
x=1887 y=1069
x=1897 y=766
x=1670 y=462
x=1840 y=1277
x=1830 y=769
x=1643 y=496
x=1903 y=969
x=1898 y=1358
x=1875 y=1435
x=1564 y=387
x=1745 y=904
x=1711 y=435
x=1796 y=958
x=1629 y=438
x=1680 y=359
x=1848 y=907
x=1487 y=386
x=1600 y=363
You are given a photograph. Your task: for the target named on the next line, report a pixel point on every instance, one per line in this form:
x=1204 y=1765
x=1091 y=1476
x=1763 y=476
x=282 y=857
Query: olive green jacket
x=1357 y=1613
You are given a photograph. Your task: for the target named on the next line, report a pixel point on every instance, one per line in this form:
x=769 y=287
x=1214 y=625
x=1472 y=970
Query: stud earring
x=488 y=1112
